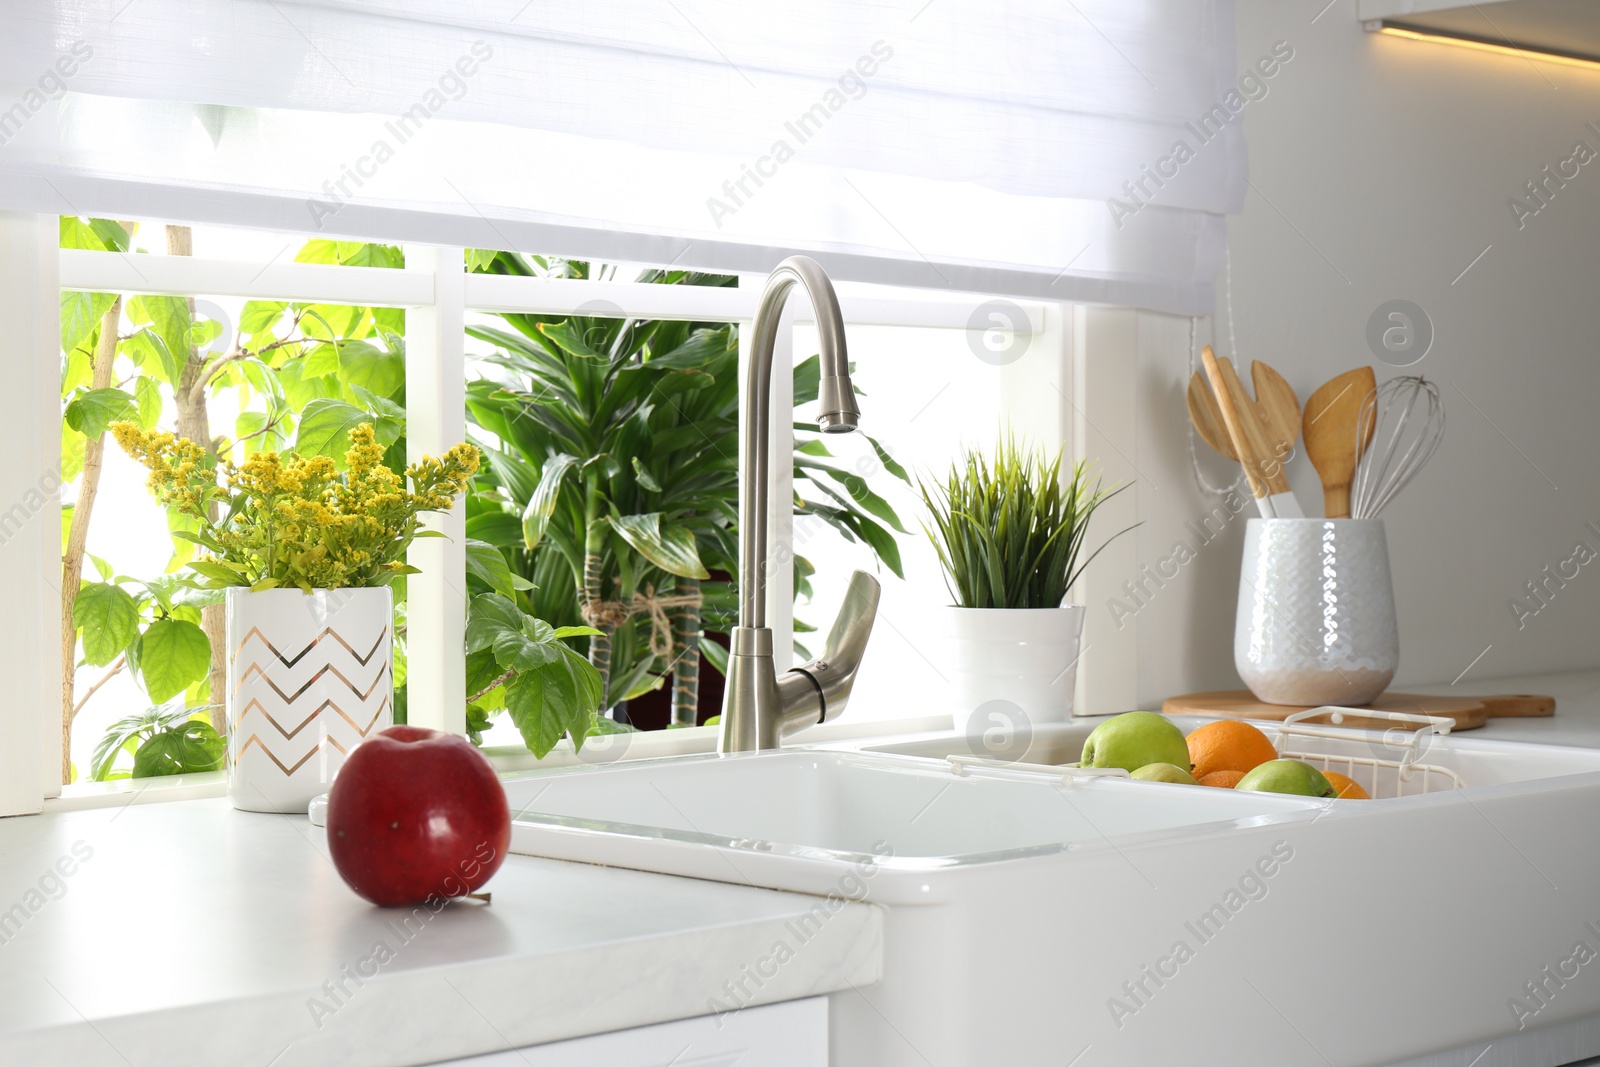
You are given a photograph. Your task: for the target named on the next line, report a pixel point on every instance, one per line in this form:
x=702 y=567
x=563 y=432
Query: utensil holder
x=1316 y=621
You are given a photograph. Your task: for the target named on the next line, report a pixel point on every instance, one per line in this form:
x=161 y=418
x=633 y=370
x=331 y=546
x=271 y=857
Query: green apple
x=1133 y=739
x=1286 y=776
x=1164 y=772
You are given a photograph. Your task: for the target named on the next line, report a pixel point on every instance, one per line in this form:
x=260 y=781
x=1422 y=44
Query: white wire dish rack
x=1396 y=762
x=1394 y=766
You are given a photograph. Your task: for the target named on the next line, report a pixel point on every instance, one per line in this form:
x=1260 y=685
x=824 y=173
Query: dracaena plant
x=1009 y=528
x=611 y=486
x=298 y=521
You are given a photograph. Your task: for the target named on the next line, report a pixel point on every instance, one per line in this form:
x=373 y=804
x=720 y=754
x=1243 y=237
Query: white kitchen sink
x=1032 y=919
x=799 y=819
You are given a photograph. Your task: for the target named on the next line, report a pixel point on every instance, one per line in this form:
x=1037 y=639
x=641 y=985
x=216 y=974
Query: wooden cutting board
x=1468 y=712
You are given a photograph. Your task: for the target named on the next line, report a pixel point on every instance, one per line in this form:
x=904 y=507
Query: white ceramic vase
x=1316 y=621
x=309 y=676
x=1011 y=669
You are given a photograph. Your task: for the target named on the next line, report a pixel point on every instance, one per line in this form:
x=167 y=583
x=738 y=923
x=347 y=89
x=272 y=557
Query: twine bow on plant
x=613 y=613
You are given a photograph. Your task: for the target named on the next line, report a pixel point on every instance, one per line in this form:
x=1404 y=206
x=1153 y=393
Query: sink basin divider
x=961 y=767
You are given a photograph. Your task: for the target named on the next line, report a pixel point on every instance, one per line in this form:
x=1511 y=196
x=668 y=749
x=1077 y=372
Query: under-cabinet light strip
x=1483 y=44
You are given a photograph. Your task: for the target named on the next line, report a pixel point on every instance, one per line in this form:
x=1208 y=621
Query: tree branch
x=492 y=686
x=114 y=670
x=105 y=357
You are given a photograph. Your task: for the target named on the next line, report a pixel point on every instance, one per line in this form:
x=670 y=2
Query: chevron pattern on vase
x=270 y=689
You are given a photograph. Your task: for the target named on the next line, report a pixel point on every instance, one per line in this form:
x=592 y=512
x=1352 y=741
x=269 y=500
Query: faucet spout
x=758 y=709
x=839 y=413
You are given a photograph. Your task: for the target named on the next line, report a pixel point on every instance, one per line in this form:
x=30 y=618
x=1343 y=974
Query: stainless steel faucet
x=759 y=709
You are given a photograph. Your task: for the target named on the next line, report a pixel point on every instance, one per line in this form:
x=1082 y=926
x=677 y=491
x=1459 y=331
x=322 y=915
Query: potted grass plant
x=304 y=550
x=1010 y=528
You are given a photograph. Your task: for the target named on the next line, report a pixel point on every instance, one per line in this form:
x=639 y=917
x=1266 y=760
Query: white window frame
x=437 y=292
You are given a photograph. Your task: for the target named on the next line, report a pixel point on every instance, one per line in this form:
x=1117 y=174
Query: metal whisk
x=1405 y=417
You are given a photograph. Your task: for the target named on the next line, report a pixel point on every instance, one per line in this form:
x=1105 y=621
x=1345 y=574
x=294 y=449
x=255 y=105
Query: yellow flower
x=297 y=519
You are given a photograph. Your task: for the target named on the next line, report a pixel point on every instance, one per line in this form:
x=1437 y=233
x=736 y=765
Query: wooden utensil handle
x=1336 y=501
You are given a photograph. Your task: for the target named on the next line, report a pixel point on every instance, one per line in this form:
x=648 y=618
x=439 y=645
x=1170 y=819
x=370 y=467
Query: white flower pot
x=1011 y=669
x=310 y=675
x=1316 y=621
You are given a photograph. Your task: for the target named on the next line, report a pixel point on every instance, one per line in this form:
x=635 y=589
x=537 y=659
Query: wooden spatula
x=1260 y=442
x=1247 y=430
x=1207 y=417
x=1279 y=407
x=1281 y=412
x=1332 y=425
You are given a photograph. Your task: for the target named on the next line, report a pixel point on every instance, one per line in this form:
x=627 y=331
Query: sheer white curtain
x=950 y=143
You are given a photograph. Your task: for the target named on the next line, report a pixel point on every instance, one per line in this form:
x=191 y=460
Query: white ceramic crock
x=310 y=675
x=1316 y=620
x=1026 y=657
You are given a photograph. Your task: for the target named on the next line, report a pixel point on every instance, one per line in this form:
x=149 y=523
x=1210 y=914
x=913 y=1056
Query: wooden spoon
x=1332 y=425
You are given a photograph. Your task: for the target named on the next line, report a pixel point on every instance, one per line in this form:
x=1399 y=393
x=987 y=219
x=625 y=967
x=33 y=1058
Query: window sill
x=656 y=744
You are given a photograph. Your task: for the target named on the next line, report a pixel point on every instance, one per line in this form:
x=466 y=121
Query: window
x=930 y=386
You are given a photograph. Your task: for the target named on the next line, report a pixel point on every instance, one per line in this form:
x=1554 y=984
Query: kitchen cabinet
x=794 y=1034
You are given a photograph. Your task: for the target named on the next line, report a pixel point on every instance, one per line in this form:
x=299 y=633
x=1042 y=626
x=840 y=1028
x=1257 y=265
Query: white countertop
x=1577 y=717
x=195 y=934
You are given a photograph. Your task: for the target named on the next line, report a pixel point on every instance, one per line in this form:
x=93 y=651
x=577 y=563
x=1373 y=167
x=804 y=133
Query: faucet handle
x=818 y=691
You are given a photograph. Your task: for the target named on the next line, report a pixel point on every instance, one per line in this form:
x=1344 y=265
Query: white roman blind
x=956 y=144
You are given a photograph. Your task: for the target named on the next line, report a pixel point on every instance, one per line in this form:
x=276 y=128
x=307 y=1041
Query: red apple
x=417 y=816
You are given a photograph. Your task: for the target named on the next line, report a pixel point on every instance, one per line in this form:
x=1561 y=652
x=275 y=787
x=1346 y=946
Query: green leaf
x=260 y=316
x=218 y=571
x=489 y=616
x=320 y=362
x=702 y=348
x=325 y=427
x=807 y=379
x=168 y=317
x=371 y=368
x=672 y=549
x=108 y=615
x=113 y=235
x=92 y=411
x=515 y=650
x=575 y=631
x=187 y=748
x=150 y=352
x=715 y=655
x=97 y=235
x=542 y=504
x=644 y=477
x=147 y=399
x=485 y=563
x=126 y=734
x=553 y=700
x=172 y=655
x=478 y=723
x=80 y=316
x=73 y=445
x=888 y=461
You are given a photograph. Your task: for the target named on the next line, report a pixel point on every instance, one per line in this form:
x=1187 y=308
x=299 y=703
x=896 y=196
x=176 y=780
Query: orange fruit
x=1221 y=779
x=1228 y=745
x=1344 y=788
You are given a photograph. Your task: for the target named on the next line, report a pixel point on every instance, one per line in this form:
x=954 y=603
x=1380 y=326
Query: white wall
x=1379 y=169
